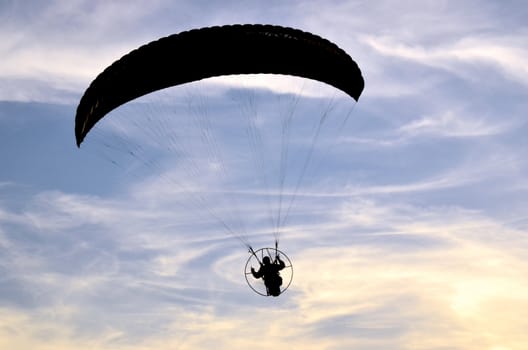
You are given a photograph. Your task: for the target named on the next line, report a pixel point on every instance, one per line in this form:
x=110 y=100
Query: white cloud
x=453 y=124
x=460 y=123
x=63 y=45
x=504 y=54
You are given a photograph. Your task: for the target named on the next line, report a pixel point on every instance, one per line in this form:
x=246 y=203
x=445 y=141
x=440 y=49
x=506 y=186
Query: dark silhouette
x=206 y=52
x=269 y=272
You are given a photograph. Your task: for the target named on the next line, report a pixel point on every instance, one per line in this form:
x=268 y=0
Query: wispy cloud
x=457 y=123
x=503 y=54
x=341 y=296
x=453 y=124
x=62 y=46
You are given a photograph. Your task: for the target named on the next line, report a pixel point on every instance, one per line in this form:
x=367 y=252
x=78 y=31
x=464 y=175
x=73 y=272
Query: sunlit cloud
x=364 y=289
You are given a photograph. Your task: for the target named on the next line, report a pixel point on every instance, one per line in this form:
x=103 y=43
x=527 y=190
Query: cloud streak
x=505 y=55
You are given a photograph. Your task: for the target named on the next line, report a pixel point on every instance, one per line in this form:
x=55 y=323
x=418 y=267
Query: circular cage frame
x=257 y=256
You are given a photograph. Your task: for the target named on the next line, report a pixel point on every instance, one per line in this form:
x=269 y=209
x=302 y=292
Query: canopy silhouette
x=207 y=52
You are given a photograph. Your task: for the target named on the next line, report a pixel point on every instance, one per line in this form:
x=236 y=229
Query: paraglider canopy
x=214 y=51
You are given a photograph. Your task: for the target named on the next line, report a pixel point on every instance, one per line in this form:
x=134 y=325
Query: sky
x=407 y=228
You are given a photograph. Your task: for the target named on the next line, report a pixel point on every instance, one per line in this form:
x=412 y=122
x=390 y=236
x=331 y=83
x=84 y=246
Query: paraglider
x=218 y=51
x=271 y=262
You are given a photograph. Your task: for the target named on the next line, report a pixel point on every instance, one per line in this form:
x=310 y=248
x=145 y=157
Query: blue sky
x=408 y=231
